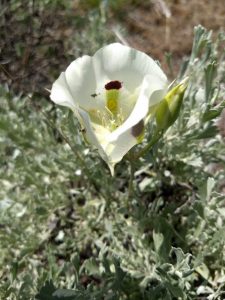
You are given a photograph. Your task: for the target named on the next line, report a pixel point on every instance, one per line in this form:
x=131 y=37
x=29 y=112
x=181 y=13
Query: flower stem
x=131 y=184
x=152 y=142
x=130 y=190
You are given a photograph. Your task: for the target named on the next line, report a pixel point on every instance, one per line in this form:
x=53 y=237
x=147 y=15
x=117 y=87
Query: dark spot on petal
x=138 y=129
x=113 y=85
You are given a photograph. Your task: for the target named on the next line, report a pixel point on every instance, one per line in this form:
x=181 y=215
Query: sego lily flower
x=111 y=94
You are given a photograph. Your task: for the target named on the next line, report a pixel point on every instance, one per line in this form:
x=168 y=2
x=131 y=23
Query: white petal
x=81 y=80
x=91 y=134
x=152 y=91
x=119 y=62
x=98 y=136
x=123 y=139
x=126 y=101
x=117 y=149
x=60 y=93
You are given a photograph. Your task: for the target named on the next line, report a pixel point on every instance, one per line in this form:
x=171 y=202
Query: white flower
x=111 y=94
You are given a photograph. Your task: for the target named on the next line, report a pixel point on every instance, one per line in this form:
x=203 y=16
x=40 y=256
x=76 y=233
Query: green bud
x=169 y=108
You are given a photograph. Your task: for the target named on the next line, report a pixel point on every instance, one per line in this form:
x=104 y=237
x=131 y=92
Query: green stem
x=131 y=185
x=152 y=142
x=130 y=191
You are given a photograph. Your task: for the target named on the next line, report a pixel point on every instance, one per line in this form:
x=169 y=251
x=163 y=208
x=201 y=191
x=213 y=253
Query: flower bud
x=168 y=109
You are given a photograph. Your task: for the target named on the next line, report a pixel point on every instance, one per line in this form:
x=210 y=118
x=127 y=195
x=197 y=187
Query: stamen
x=109 y=112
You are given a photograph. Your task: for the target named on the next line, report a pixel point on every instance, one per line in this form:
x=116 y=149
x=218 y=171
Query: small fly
x=94 y=95
x=82 y=130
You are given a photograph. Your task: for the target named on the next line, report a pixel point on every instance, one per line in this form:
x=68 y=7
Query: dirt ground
x=33 y=47
x=158 y=26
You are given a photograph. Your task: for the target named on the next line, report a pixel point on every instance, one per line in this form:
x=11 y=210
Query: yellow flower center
x=112 y=117
x=112 y=97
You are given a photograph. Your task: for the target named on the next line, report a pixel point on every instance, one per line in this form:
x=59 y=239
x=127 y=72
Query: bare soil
x=161 y=26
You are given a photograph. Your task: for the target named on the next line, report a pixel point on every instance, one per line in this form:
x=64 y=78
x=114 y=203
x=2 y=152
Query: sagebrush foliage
x=68 y=229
